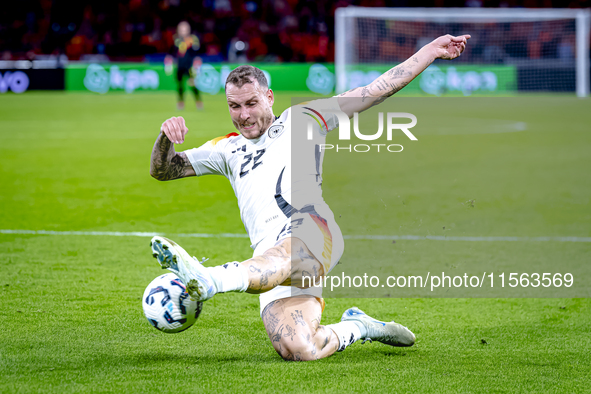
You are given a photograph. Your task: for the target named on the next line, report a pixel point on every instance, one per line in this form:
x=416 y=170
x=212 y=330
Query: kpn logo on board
x=100 y=80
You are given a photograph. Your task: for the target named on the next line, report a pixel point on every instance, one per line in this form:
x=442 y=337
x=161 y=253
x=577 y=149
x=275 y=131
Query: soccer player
x=185 y=50
x=276 y=199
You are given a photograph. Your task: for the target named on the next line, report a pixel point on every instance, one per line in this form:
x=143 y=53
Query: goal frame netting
x=345 y=30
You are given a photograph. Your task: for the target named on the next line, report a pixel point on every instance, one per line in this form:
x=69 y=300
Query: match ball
x=167 y=305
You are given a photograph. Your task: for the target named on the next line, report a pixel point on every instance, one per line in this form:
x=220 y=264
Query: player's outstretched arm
x=445 y=47
x=167 y=164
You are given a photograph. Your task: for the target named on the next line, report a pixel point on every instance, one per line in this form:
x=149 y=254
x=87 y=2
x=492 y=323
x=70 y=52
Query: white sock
x=229 y=277
x=347 y=331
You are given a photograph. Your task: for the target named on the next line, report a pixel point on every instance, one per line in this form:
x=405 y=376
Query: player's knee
x=282 y=249
x=298 y=347
x=279 y=256
x=294 y=351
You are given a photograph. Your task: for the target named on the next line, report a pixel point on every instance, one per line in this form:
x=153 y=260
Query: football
x=167 y=304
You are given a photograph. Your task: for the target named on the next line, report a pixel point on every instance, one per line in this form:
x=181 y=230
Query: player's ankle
x=347 y=332
x=362 y=329
x=229 y=277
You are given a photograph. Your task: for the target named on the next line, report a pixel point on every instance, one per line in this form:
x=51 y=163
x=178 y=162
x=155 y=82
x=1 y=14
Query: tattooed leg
x=283 y=264
x=293 y=326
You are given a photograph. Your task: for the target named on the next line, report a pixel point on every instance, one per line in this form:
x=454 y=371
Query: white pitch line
x=469 y=239
x=353 y=237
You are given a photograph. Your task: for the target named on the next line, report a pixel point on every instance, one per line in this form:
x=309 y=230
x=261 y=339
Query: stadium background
x=39 y=36
x=77 y=202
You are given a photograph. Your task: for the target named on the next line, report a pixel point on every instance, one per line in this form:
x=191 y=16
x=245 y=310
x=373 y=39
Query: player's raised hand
x=449 y=47
x=174 y=129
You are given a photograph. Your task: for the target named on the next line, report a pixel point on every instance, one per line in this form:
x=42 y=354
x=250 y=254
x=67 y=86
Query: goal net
x=511 y=50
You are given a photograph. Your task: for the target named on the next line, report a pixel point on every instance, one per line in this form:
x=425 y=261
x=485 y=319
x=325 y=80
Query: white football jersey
x=276 y=173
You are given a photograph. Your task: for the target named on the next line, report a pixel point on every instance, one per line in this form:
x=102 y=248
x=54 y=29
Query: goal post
x=529 y=50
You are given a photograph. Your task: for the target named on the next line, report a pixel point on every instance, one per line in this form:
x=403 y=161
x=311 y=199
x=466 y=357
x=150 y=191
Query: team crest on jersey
x=275 y=131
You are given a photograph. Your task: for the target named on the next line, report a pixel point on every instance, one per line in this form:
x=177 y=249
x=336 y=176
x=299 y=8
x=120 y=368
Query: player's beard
x=267 y=122
x=263 y=123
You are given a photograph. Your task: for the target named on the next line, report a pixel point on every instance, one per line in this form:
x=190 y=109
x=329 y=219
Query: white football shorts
x=316 y=227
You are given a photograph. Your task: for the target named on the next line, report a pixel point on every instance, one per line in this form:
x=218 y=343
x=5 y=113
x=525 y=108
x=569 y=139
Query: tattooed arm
x=165 y=163
x=445 y=47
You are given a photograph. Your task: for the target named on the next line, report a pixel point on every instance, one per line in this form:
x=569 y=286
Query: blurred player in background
x=185 y=50
x=257 y=162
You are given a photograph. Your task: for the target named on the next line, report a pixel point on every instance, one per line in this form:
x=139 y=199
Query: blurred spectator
x=566 y=48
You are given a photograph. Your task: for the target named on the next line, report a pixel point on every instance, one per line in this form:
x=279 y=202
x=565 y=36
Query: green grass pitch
x=70 y=307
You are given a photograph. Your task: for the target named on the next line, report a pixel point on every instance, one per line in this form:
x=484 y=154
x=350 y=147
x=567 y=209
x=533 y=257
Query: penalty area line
x=351 y=237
